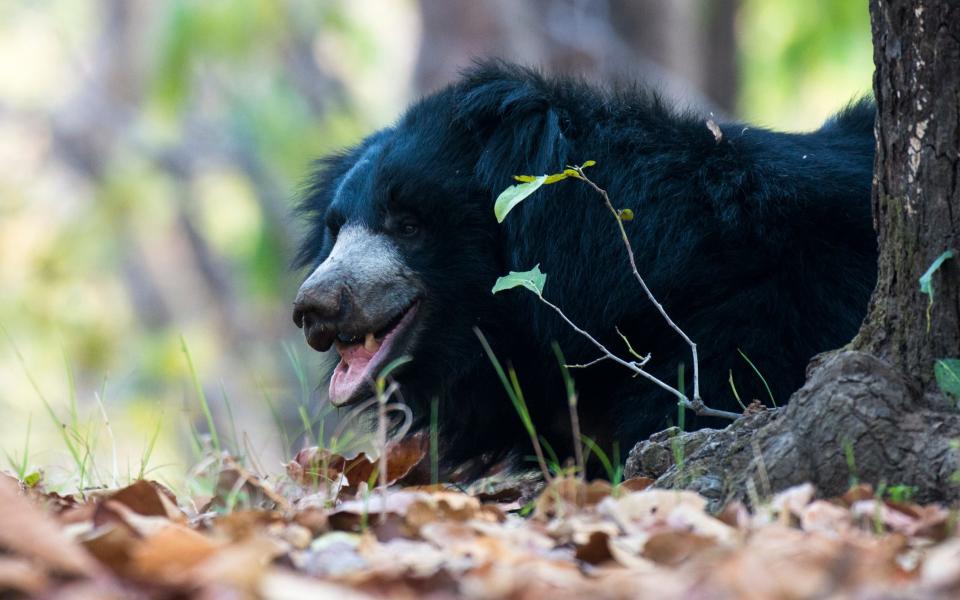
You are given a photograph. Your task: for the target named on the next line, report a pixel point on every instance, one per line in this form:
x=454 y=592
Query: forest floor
x=321 y=531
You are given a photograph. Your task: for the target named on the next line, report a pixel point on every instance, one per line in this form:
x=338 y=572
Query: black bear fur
x=760 y=242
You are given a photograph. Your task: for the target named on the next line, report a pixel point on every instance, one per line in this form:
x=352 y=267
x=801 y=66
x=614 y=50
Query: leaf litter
x=323 y=531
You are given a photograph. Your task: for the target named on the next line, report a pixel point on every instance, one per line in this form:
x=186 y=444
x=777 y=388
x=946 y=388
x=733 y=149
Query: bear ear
x=513 y=114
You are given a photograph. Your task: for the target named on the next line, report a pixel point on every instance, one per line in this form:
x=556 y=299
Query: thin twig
x=382 y=442
x=643 y=284
x=696 y=405
x=245 y=476
x=589 y=364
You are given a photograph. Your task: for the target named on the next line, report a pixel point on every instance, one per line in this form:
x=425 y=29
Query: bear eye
x=408 y=228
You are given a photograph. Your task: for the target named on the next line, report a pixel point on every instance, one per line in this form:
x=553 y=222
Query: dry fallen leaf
x=147 y=498
x=861 y=491
x=112 y=545
x=635 y=484
x=674 y=547
x=824 y=516
x=236 y=485
x=239 y=566
x=565 y=495
x=314 y=465
x=638 y=511
x=21 y=575
x=27 y=531
x=166 y=555
x=789 y=503
x=280 y=584
x=443 y=506
x=586 y=541
x=941 y=569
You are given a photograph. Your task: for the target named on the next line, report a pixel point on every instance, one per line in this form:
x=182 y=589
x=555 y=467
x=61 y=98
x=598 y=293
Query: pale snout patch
x=361 y=257
x=374 y=295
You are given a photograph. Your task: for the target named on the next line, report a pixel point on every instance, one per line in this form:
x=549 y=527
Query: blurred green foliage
x=801 y=61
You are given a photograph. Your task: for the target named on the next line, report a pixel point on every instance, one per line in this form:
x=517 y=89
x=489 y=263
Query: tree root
x=856 y=419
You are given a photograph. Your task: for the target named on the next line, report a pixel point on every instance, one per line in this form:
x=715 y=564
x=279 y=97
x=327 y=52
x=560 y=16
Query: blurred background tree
x=152 y=152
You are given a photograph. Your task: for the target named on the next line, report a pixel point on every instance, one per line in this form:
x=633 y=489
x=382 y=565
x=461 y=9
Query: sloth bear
x=759 y=244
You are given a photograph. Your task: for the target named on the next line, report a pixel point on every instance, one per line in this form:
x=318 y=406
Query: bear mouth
x=362 y=357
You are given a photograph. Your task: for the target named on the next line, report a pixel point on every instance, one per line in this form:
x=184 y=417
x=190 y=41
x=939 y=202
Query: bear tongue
x=350 y=372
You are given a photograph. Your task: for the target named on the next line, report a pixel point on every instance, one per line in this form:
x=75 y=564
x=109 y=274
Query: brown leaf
x=313 y=518
x=875 y=513
x=783 y=562
x=312 y=465
x=564 y=495
x=506 y=487
x=27 y=531
x=824 y=516
x=112 y=545
x=735 y=514
x=146 y=498
x=239 y=566
x=242 y=524
x=114 y=513
x=635 y=484
x=21 y=575
x=278 y=584
x=442 y=506
x=593 y=546
x=674 y=547
x=788 y=505
x=861 y=491
x=639 y=511
x=235 y=484
x=165 y=556
x=627 y=551
x=351 y=514
x=941 y=569
x=931 y=521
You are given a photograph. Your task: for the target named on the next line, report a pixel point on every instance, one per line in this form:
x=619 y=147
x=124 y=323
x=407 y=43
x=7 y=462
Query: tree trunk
x=872 y=411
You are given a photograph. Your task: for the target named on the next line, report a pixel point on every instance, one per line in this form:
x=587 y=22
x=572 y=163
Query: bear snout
x=317 y=311
x=360 y=288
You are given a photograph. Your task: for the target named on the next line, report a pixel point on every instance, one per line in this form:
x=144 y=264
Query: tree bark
x=872 y=411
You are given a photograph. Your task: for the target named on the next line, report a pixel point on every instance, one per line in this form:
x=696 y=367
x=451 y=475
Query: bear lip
x=359 y=366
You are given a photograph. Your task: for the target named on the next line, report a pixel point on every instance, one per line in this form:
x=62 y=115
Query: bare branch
x=643 y=284
x=589 y=364
x=695 y=404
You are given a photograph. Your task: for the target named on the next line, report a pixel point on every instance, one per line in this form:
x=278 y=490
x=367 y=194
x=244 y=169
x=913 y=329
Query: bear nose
x=317 y=313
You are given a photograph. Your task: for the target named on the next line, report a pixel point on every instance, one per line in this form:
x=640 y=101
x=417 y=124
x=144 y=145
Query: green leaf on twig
x=947 y=372
x=533 y=280
x=514 y=195
x=926 y=280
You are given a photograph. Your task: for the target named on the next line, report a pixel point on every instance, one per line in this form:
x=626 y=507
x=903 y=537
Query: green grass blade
x=148 y=452
x=760 y=375
x=235 y=437
x=204 y=405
